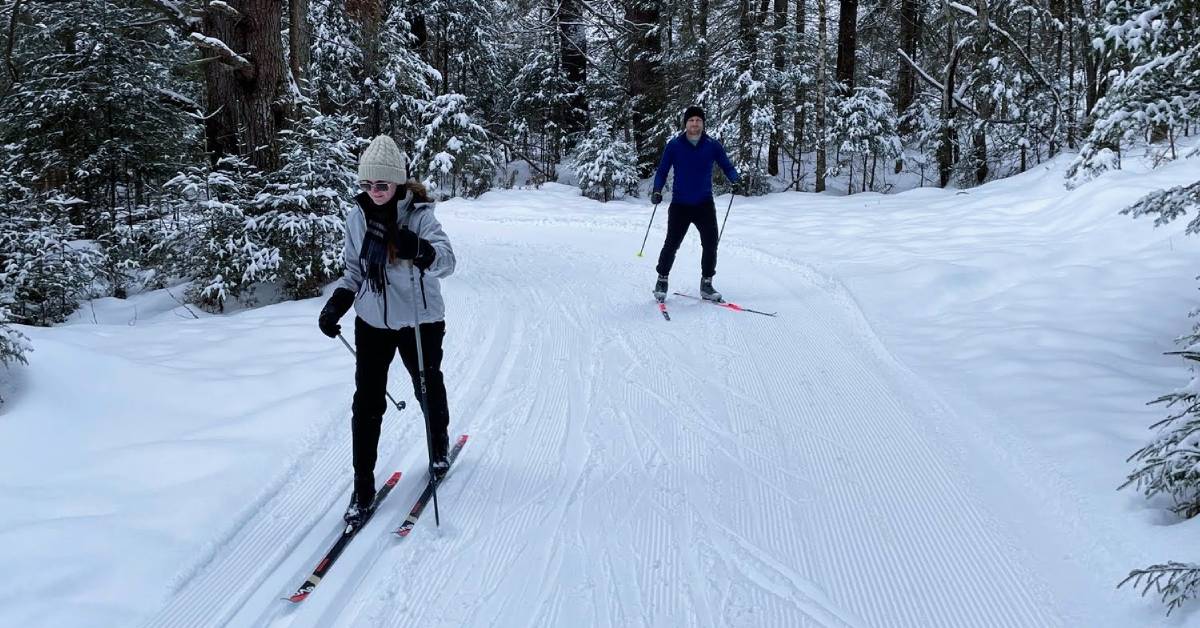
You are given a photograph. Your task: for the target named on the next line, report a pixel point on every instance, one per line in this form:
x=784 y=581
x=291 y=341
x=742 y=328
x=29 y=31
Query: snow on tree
x=45 y=272
x=1174 y=582
x=13 y=344
x=864 y=131
x=1170 y=466
x=214 y=243
x=1159 y=89
x=605 y=163
x=98 y=109
x=300 y=215
x=455 y=154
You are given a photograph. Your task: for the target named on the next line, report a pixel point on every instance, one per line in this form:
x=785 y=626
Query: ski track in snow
x=627 y=471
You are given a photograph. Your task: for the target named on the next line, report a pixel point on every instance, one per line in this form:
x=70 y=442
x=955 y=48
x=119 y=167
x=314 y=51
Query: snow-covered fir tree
x=300 y=214
x=14 y=201
x=605 y=164
x=45 y=270
x=864 y=132
x=1158 y=90
x=13 y=344
x=539 y=91
x=454 y=154
x=97 y=105
x=1170 y=466
x=214 y=242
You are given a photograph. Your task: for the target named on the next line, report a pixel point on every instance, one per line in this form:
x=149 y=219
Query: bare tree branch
x=935 y=83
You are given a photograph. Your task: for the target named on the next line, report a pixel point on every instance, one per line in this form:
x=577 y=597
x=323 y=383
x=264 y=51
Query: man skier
x=692 y=154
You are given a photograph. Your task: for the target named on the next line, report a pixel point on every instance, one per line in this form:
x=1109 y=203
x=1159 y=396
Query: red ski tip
x=392 y=480
x=297 y=598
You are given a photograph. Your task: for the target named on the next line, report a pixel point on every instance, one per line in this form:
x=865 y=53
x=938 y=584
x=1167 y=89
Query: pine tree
x=1159 y=89
x=1170 y=463
x=539 y=91
x=455 y=153
x=13 y=344
x=864 y=131
x=604 y=164
x=96 y=106
x=214 y=241
x=300 y=215
x=44 y=272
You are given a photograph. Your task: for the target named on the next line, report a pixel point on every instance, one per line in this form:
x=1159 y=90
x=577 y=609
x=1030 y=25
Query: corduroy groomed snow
x=382 y=161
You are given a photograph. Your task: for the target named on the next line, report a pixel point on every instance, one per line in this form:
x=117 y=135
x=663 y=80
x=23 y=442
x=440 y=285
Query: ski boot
x=660 y=289
x=358 y=510
x=707 y=292
x=362 y=502
x=439 y=463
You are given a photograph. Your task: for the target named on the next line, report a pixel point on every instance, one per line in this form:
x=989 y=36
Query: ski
x=662 y=307
x=728 y=305
x=340 y=544
x=414 y=514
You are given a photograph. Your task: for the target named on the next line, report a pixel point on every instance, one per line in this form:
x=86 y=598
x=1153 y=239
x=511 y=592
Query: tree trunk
x=822 y=90
x=984 y=104
x=221 y=95
x=906 y=78
x=299 y=42
x=572 y=40
x=258 y=34
x=847 y=43
x=1094 y=69
x=945 y=150
x=801 y=92
x=781 y=7
x=1073 y=113
x=645 y=82
x=745 y=105
x=369 y=15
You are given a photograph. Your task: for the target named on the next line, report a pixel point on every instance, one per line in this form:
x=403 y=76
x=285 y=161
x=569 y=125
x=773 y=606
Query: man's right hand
x=335 y=308
x=656 y=197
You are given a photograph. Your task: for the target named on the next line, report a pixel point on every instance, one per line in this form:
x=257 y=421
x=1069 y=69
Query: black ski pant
x=679 y=217
x=375 y=348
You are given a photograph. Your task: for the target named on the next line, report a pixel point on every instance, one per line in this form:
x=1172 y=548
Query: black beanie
x=691 y=112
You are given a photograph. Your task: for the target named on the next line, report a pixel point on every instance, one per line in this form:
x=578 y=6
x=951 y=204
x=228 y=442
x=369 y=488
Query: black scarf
x=381 y=229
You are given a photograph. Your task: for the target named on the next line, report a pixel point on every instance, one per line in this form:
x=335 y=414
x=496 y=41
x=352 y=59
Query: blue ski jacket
x=693 y=168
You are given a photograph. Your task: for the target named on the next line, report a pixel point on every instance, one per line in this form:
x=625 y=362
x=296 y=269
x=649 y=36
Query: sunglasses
x=377 y=186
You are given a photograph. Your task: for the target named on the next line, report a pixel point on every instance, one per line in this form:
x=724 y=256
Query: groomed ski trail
x=722 y=470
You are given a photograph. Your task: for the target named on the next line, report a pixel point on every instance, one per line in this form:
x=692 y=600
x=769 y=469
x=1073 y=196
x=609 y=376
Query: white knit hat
x=382 y=161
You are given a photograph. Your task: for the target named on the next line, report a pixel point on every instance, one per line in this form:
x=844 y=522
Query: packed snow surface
x=930 y=433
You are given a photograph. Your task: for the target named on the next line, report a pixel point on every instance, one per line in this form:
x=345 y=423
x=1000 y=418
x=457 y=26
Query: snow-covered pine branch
x=222 y=50
x=1174 y=582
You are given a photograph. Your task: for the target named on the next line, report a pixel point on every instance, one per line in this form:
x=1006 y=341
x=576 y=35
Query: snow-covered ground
x=929 y=434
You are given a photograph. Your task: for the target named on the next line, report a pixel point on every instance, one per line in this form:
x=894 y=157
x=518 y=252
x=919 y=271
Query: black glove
x=407 y=244
x=335 y=308
x=656 y=197
x=738 y=187
x=425 y=254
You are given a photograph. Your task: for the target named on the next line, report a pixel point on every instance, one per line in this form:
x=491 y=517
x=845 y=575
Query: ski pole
x=400 y=405
x=648 y=230
x=726 y=218
x=412 y=278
